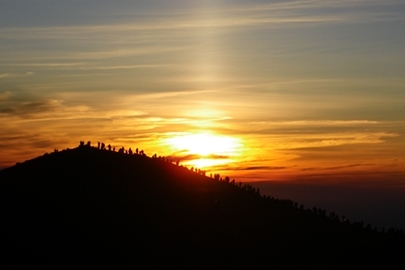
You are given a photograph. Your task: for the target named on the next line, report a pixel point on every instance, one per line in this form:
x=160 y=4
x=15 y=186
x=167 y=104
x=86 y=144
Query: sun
x=204 y=144
x=205 y=149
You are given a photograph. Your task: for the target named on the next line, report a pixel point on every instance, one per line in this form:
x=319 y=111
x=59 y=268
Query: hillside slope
x=101 y=208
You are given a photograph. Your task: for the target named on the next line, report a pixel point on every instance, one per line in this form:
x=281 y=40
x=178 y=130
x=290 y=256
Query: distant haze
x=379 y=207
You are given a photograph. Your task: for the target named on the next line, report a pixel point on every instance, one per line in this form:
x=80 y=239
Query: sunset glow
x=204 y=144
x=263 y=90
x=207 y=164
x=204 y=149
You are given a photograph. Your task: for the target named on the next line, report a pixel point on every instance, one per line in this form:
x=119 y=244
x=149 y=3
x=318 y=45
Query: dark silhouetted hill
x=87 y=207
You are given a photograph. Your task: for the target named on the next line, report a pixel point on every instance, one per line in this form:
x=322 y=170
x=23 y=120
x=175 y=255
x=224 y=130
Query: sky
x=310 y=90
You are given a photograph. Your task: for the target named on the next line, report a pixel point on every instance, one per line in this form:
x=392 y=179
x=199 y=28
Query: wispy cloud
x=337 y=167
x=181 y=156
x=83 y=66
x=256 y=168
x=307 y=123
x=228 y=16
x=11 y=75
x=49 y=65
x=39 y=110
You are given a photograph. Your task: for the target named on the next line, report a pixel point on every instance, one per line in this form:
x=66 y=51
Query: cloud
x=30 y=108
x=50 y=65
x=255 y=168
x=19 y=107
x=171 y=94
x=8 y=75
x=122 y=67
x=311 y=123
x=337 y=139
x=337 y=167
x=312 y=134
x=252 y=14
x=181 y=157
x=29 y=140
x=39 y=110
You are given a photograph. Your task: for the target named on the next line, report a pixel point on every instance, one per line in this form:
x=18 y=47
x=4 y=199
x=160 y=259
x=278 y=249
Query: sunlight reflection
x=204 y=163
x=204 y=144
x=204 y=149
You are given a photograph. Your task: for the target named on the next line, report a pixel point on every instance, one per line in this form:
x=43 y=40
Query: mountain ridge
x=99 y=207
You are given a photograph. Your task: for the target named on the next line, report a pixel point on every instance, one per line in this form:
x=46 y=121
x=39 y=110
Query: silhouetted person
x=109 y=147
x=130 y=151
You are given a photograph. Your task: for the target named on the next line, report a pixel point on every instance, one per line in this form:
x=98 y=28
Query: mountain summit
x=100 y=208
